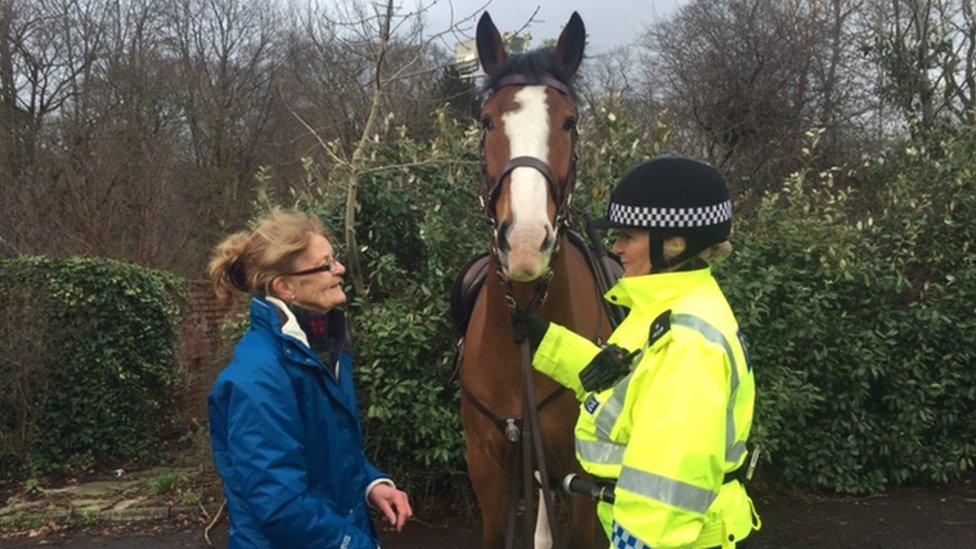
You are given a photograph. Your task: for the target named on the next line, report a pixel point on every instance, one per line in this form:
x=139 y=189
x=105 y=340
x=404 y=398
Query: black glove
x=609 y=365
x=527 y=325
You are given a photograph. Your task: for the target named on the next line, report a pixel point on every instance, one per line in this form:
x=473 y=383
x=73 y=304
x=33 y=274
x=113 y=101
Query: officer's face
x=633 y=246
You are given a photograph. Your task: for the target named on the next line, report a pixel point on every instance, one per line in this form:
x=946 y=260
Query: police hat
x=672 y=195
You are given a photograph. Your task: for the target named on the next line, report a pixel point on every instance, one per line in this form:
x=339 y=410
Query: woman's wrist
x=371 y=485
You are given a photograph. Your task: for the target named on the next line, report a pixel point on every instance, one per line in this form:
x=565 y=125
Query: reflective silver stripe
x=612 y=408
x=730 y=429
x=733 y=454
x=597 y=451
x=666 y=490
x=711 y=333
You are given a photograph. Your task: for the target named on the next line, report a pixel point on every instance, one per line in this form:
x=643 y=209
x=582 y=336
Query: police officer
x=667 y=405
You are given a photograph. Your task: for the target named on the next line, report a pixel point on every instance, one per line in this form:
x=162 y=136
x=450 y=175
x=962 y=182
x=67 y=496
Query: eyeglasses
x=328 y=267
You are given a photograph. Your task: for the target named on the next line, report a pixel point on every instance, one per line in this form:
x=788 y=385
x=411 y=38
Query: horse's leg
x=543 y=530
x=491 y=478
x=585 y=531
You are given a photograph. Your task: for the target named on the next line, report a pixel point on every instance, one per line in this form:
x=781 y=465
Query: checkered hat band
x=622 y=539
x=637 y=216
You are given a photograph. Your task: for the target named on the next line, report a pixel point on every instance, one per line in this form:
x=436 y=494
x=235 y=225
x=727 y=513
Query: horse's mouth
x=524 y=269
x=520 y=276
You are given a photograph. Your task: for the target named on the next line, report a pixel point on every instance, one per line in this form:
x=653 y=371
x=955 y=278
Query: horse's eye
x=570 y=124
x=487 y=124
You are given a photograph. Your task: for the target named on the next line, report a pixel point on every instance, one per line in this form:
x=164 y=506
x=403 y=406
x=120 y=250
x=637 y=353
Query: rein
x=562 y=195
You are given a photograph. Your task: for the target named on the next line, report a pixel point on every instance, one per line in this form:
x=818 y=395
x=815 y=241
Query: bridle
x=562 y=194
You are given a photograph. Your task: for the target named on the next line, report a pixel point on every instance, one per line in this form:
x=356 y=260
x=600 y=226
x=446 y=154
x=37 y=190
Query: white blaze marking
x=527 y=129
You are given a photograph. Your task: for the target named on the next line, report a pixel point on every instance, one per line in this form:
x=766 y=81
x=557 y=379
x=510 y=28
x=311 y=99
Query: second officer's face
x=633 y=246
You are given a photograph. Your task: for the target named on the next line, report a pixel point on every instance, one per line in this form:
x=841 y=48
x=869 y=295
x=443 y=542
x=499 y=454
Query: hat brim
x=604 y=223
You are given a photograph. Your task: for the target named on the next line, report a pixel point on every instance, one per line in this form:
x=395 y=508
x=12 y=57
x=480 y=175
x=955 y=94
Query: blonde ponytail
x=717 y=253
x=227 y=268
x=248 y=261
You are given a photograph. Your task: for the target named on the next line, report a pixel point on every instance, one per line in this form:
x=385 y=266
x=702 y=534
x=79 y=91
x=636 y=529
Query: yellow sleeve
x=673 y=466
x=562 y=354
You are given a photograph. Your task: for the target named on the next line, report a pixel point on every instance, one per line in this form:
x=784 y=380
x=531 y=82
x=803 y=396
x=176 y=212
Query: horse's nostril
x=547 y=241
x=503 y=244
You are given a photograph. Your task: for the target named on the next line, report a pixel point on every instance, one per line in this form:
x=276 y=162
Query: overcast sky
x=609 y=23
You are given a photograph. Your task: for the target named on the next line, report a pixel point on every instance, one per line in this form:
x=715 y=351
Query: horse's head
x=528 y=149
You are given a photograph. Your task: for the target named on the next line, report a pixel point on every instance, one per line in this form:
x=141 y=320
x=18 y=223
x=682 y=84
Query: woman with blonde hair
x=666 y=406
x=284 y=418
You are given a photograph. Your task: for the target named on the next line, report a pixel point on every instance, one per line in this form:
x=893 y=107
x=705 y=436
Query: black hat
x=669 y=194
x=673 y=196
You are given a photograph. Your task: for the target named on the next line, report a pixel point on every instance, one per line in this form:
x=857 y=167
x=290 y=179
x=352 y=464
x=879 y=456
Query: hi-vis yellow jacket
x=670 y=430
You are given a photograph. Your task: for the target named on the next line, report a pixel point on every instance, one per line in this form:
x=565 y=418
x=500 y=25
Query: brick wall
x=202 y=352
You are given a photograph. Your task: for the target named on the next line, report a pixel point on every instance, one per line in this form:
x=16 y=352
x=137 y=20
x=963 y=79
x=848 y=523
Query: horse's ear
x=491 y=48
x=569 y=48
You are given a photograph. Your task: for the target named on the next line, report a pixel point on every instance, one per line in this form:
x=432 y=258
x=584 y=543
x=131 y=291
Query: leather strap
x=513 y=497
x=533 y=433
x=499 y=422
x=526 y=80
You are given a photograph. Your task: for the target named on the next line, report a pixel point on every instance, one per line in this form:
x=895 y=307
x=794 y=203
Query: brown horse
x=529 y=140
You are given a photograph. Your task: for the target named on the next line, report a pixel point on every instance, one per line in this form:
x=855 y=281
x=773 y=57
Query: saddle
x=606 y=271
x=465 y=291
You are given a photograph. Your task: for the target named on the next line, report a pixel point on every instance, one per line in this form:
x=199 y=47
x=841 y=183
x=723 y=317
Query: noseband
x=492 y=188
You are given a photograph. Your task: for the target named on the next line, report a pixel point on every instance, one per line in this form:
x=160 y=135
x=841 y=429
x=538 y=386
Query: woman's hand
x=393 y=503
x=527 y=325
x=607 y=368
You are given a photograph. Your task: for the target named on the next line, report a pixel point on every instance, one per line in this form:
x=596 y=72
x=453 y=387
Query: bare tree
x=48 y=55
x=743 y=80
x=227 y=61
x=394 y=54
x=926 y=52
x=8 y=99
x=47 y=49
x=100 y=183
x=101 y=175
x=616 y=71
x=141 y=129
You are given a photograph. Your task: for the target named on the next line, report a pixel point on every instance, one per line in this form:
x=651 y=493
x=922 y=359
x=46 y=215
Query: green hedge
x=859 y=308
x=88 y=359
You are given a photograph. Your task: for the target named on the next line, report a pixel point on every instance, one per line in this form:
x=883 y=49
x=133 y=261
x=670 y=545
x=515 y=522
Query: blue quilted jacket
x=287 y=441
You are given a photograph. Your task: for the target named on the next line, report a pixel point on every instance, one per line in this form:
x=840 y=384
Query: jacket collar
x=290 y=327
x=656 y=291
x=265 y=315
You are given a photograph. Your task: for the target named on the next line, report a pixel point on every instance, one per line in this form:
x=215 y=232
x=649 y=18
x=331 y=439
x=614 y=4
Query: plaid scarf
x=324 y=331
